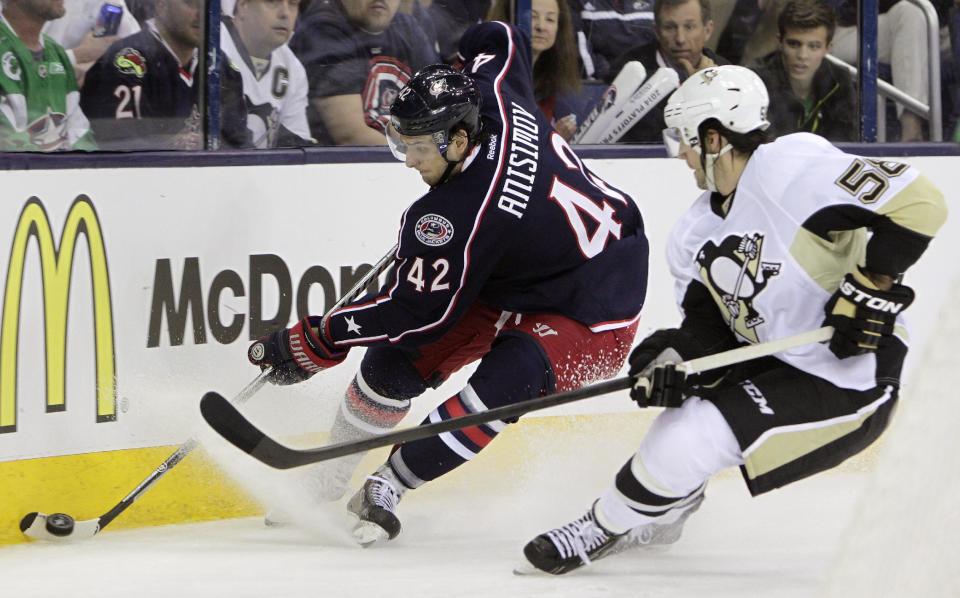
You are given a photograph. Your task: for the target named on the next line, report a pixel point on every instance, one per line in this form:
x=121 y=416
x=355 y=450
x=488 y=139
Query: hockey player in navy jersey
x=518 y=256
x=776 y=245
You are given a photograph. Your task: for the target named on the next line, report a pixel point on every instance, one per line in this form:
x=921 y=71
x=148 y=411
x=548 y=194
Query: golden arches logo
x=56 y=263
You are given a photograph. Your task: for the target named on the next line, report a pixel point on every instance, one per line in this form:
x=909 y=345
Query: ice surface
x=458 y=541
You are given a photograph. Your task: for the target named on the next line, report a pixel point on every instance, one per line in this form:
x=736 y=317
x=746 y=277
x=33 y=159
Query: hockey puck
x=60 y=524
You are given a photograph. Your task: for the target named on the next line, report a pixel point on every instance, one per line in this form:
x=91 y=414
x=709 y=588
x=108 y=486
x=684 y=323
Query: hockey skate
x=658 y=534
x=375 y=506
x=571 y=546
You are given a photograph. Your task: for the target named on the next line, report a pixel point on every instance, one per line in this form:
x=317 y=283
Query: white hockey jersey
x=277 y=99
x=773 y=254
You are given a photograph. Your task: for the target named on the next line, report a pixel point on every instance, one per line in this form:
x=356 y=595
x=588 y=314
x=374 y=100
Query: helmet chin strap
x=709 y=161
x=451 y=164
x=447 y=171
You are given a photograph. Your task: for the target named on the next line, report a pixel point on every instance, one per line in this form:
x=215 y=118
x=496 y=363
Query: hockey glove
x=862 y=315
x=658 y=383
x=296 y=353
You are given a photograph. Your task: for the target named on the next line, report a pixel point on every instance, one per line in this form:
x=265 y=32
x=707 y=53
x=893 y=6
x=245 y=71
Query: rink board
x=102 y=363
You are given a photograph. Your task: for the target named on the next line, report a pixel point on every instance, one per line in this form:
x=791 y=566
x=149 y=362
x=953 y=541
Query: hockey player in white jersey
x=778 y=244
x=274 y=80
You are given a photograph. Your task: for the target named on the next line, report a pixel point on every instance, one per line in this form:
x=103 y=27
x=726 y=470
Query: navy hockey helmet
x=435 y=100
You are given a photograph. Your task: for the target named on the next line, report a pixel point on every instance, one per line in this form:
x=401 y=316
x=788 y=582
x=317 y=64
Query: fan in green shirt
x=39 y=99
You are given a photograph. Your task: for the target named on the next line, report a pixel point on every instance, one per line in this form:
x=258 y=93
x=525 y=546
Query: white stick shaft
x=734 y=356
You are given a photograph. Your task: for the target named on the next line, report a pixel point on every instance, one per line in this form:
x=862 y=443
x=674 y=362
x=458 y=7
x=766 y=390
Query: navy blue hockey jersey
x=524 y=227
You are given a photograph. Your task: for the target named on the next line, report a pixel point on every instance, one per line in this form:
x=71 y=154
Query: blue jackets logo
x=434 y=230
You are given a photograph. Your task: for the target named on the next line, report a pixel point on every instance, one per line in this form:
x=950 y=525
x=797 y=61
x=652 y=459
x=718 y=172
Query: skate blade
x=525 y=569
x=367 y=533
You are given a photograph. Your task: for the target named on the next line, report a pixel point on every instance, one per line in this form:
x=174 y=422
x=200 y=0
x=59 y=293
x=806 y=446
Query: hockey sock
x=514 y=370
x=363 y=413
x=423 y=460
x=630 y=502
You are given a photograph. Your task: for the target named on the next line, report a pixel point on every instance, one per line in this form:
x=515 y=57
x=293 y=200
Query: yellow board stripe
x=87 y=485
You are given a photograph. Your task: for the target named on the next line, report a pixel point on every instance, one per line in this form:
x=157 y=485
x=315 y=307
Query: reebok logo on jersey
x=756 y=396
x=433 y=230
x=876 y=303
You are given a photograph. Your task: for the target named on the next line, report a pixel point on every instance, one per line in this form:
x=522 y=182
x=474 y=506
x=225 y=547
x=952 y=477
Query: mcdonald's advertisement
x=128 y=293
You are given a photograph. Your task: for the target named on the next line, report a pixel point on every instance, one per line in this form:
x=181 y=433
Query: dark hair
x=557 y=69
x=745 y=143
x=706 y=13
x=807 y=14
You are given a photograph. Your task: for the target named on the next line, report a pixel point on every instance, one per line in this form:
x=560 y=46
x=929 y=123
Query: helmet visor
x=420 y=147
x=672 y=139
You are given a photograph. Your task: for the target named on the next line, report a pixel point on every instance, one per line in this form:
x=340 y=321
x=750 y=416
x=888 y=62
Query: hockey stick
x=227 y=420
x=63 y=527
x=629 y=78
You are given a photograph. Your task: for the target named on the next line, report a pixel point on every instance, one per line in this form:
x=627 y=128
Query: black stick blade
x=229 y=423
x=224 y=417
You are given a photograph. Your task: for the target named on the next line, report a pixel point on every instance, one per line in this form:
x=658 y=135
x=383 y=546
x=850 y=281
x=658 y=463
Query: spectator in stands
x=143 y=92
x=555 y=75
x=682 y=28
x=88 y=29
x=807 y=92
x=901 y=43
x=274 y=81
x=39 y=102
x=358 y=54
x=452 y=17
x=418 y=10
x=143 y=10
x=604 y=28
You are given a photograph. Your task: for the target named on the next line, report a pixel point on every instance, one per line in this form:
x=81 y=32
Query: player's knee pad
x=685 y=447
x=389 y=373
x=515 y=369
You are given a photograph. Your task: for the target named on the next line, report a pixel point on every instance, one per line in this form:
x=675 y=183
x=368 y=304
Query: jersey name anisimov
x=773 y=254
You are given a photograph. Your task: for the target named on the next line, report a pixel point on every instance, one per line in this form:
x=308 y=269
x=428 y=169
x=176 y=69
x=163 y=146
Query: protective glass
x=422 y=147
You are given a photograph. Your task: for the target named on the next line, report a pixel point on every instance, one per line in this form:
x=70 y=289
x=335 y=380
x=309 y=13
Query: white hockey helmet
x=734 y=95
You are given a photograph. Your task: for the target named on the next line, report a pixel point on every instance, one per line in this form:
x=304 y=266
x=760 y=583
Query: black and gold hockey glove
x=862 y=315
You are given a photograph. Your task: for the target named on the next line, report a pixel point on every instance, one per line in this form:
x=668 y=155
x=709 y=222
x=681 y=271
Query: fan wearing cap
x=517 y=257
x=777 y=245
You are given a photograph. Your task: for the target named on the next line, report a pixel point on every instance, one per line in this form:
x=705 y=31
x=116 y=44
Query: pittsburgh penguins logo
x=735 y=274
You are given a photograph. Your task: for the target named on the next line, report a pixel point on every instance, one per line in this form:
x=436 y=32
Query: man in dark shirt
x=358 y=54
x=807 y=92
x=144 y=93
x=682 y=27
x=606 y=27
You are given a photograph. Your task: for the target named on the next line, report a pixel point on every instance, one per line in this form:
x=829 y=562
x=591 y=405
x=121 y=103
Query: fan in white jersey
x=274 y=81
x=777 y=245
